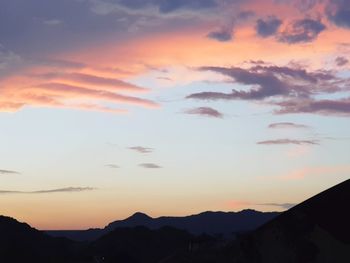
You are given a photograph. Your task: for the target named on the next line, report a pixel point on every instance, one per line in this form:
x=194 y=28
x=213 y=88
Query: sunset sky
x=170 y=107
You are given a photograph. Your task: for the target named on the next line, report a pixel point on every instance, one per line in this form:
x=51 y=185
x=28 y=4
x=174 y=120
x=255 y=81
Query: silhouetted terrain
x=317 y=230
x=212 y=223
x=21 y=243
x=141 y=244
x=314 y=231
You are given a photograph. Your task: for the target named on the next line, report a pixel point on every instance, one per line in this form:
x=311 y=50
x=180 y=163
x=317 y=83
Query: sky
x=170 y=107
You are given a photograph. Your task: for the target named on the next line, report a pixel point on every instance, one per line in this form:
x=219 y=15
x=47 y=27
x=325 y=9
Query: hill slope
x=317 y=230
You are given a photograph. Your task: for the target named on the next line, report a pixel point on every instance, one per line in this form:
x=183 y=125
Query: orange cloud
x=44 y=87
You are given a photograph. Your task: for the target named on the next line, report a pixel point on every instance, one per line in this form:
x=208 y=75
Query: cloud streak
x=150 y=165
x=49 y=191
x=287 y=125
x=288 y=141
x=112 y=166
x=205 y=111
x=141 y=149
x=8 y=172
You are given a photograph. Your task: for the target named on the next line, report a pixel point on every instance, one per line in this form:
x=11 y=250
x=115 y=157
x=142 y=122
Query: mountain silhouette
x=226 y=223
x=21 y=243
x=206 y=222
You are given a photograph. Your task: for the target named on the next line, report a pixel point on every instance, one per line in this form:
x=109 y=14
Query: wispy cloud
x=205 y=111
x=58 y=190
x=113 y=166
x=287 y=125
x=141 y=149
x=288 y=141
x=8 y=172
x=150 y=165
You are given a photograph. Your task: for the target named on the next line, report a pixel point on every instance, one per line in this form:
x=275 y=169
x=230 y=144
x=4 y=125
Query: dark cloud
x=287 y=125
x=288 y=141
x=301 y=31
x=282 y=205
x=26 y=22
x=325 y=107
x=268 y=27
x=168 y=6
x=150 y=165
x=339 y=12
x=59 y=190
x=141 y=149
x=8 y=172
x=341 y=61
x=205 y=111
x=113 y=166
x=222 y=35
x=270 y=81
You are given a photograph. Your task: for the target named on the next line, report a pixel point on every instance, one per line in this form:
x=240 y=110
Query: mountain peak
x=139 y=216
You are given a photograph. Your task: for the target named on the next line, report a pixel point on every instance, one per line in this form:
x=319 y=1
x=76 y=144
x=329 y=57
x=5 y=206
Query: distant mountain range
x=212 y=223
x=315 y=231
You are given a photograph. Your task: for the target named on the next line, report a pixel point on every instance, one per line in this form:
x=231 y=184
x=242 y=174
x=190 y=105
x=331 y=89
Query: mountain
x=21 y=243
x=317 y=230
x=226 y=223
x=207 y=222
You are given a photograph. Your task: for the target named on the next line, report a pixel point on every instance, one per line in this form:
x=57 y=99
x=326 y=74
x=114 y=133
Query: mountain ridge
x=209 y=222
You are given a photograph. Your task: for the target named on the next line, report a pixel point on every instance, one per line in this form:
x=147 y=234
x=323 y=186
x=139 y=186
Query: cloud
x=286 y=125
x=8 y=172
x=141 y=149
x=113 y=166
x=269 y=81
x=205 y=111
x=339 y=13
x=267 y=27
x=292 y=88
x=93 y=81
x=339 y=107
x=222 y=34
x=150 y=165
x=168 y=6
x=59 y=190
x=81 y=92
x=282 y=205
x=301 y=31
x=341 y=61
x=288 y=141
